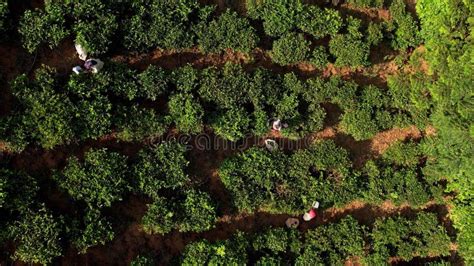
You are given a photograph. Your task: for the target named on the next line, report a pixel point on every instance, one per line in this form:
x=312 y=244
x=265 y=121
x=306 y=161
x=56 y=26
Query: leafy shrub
x=228 y=31
x=405 y=238
x=349 y=51
x=93 y=118
x=160 y=218
x=319 y=57
x=18 y=191
x=227 y=252
x=163 y=24
x=47 y=115
x=153 y=82
x=160 y=167
x=333 y=244
x=359 y=123
x=406 y=154
x=198 y=212
x=95 y=35
x=291 y=48
x=406 y=28
x=143 y=260
x=374 y=33
x=231 y=124
x=277 y=240
x=319 y=22
x=186 y=113
x=97 y=231
x=186 y=79
x=3 y=15
x=39 y=27
x=279 y=17
x=251 y=178
x=398 y=185
x=367 y=3
x=224 y=87
x=99 y=180
x=38 y=236
x=135 y=123
x=120 y=80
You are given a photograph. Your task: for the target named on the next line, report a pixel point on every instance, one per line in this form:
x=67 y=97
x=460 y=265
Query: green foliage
x=406 y=154
x=186 y=79
x=95 y=35
x=135 y=124
x=163 y=24
x=162 y=166
x=410 y=94
x=274 y=182
x=277 y=240
x=359 y=123
x=319 y=22
x=224 y=87
x=186 y=113
x=93 y=118
x=97 y=231
x=367 y=3
x=279 y=17
x=374 y=33
x=231 y=124
x=406 y=28
x=143 y=260
x=3 y=15
x=47 y=115
x=421 y=237
x=154 y=82
x=160 y=217
x=349 y=50
x=38 y=27
x=120 y=80
x=198 y=212
x=18 y=191
x=99 y=180
x=251 y=178
x=397 y=185
x=319 y=57
x=291 y=48
x=228 y=31
x=371 y=113
x=227 y=252
x=333 y=244
x=38 y=235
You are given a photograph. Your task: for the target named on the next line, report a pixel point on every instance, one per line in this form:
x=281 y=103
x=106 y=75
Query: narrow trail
x=132 y=241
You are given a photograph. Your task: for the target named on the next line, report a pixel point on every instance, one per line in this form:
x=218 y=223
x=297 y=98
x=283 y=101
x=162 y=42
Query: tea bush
x=99 y=180
x=291 y=48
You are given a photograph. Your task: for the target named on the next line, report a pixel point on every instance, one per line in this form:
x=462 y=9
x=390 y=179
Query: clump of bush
x=319 y=22
x=228 y=31
x=38 y=236
x=99 y=180
x=291 y=48
x=349 y=48
x=405 y=26
x=39 y=27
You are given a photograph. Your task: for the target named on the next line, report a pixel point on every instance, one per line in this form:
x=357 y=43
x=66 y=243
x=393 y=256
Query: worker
x=271 y=145
x=277 y=125
x=81 y=51
x=312 y=213
x=292 y=223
